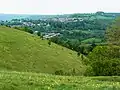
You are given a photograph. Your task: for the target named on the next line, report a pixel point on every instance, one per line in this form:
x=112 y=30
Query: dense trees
x=113 y=33
x=75 y=45
x=105 y=60
x=74 y=29
x=26 y=29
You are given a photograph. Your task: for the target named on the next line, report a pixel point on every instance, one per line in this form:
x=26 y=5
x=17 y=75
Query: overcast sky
x=58 y=6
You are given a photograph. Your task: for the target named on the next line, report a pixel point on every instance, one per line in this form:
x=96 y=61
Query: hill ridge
x=31 y=54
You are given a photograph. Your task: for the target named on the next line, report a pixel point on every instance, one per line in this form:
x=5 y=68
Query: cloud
x=58 y=6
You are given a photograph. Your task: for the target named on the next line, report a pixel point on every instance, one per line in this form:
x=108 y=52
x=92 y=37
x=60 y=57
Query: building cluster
x=67 y=19
x=50 y=35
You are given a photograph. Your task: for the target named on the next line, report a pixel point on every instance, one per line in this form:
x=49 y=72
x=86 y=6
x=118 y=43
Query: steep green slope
x=20 y=51
x=33 y=81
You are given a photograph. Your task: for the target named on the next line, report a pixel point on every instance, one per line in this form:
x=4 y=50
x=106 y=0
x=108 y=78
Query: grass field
x=20 y=51
x=33 y=81
x=91 y=40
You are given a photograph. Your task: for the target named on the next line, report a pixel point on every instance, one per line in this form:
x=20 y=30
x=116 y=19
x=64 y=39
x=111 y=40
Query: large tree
x=105 y=60
x=113 y=33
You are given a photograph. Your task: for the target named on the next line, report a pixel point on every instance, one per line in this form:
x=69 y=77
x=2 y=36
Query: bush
x=39 y=34
x=89 y=71
x=59 y=72
x=49 y=42
x=105 y=60
x=113 y=33
x=26 y=29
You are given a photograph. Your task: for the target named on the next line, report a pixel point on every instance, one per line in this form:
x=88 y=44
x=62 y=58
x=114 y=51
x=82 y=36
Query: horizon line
x=56 y=13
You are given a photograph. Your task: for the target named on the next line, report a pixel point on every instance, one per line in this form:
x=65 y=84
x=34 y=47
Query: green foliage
x=39 y=34
x=75 y=45
x=91 y=40
x=113 y=33
x=41 y=37
x=59 y=72
x=89 y=71
x=49 y=42
x=73 y=71
x=26 y=29
x=78 y=54
x=82 y=49
x=105 y=60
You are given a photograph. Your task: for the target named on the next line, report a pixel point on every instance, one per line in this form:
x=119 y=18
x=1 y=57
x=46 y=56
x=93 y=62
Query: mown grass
x=33 y=81
x=21 y=51
x=91 y=40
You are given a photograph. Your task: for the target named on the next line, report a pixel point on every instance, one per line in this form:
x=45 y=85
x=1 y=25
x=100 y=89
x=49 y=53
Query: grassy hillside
x=33 y=81
x=20 y=51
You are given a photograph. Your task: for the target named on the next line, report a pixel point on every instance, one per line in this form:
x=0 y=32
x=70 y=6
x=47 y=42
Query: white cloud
x=58 y=6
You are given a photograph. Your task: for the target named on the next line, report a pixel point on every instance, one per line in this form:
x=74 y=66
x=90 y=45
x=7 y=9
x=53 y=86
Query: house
x=50 y=35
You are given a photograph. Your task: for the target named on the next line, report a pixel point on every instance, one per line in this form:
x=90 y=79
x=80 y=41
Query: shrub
x=59 y=72
x=49 y=42
x=39 y=34
x=89 y=71
x=105 y=60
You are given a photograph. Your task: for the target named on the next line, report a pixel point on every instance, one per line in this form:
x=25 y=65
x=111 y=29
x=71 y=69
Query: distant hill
x=26 y=16
x=11 y=16
x=20 y=51
x=98 y=15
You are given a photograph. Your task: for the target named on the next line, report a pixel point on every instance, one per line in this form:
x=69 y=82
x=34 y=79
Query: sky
x=58 y=6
